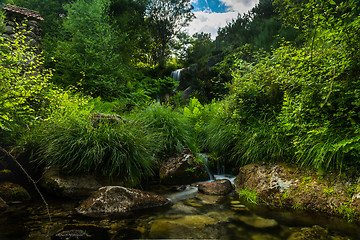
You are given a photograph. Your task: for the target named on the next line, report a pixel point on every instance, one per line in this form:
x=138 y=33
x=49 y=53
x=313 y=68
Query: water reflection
x=192 y=216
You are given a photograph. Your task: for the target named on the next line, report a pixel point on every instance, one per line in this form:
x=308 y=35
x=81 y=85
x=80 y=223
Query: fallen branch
x=30 y=179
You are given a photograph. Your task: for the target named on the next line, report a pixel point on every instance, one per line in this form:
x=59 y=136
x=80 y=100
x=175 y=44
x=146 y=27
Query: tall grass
x=239 y=144
x=171 y=125
x=326 y=148
x=71 y=141
x=260 y=142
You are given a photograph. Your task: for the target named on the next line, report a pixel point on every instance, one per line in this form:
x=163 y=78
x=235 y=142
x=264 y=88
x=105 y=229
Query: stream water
x=192 y=216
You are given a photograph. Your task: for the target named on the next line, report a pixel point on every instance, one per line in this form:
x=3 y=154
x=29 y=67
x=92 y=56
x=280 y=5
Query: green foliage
x=259 y=27
x=51 y=10
x=26 y=95
x=2 y=23
x=170 y=124
x=87 y=56
x=166 y=19
x=348 y=212
x=249 y=195
x=69 y=139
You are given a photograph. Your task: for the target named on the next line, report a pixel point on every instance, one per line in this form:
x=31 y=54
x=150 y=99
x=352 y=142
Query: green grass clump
x=249 y=195
x=171 y=125
x=70 y=140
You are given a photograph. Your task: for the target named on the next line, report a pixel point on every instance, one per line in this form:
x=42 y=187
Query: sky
x=212 y=14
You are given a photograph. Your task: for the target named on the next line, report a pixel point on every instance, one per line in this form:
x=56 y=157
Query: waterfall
x=176 y=75
x=203 y=156
x=189 y=192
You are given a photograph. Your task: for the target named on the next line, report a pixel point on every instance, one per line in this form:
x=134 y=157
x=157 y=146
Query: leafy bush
x=301 y=103
x=70 y=140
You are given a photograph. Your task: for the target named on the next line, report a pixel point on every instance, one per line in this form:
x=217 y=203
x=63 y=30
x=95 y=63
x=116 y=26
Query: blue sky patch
x=210 y=6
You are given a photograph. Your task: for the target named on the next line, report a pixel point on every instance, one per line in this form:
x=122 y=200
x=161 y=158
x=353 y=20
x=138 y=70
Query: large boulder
x=70 y=186
x=119 y=201
x=182 y=169
x=217 y=187
x=12 y=192
x=283 y=185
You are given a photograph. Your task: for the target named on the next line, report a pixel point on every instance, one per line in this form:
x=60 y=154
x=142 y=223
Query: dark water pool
x=197 y=217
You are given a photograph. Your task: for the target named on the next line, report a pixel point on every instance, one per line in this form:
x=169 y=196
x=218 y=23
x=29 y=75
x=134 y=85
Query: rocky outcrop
x=182 y=169
x=70 y=186
x=119 y=201
x=217 y=187
x=11 y=192
x=281 y=185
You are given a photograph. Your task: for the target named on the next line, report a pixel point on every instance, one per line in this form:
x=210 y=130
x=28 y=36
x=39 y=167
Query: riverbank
x=285 y=186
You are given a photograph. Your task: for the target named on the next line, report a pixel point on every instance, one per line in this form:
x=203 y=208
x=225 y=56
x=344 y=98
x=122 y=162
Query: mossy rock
x=12 y=192
x=315 y=232
x=6 y=175
x=182 y=169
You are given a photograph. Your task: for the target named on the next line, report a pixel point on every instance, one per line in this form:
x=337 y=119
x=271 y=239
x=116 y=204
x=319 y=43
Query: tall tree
x=86 y=57
x=166 y=18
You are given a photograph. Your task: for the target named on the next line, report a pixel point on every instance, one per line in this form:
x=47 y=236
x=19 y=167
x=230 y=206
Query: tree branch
x=29 y=177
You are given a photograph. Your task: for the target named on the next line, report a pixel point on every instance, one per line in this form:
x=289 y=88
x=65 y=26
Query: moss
x=348 y=212
x=13 y=192
x=329 y=191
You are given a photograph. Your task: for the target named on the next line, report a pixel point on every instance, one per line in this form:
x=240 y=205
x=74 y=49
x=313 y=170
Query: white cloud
x=241 y=6
x=210 y=22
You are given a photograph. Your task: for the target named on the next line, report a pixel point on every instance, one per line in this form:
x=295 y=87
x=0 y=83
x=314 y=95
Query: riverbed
x=192 y=216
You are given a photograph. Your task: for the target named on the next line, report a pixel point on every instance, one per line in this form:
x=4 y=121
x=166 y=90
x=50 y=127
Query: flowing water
x=192 y=216
x=176 y=75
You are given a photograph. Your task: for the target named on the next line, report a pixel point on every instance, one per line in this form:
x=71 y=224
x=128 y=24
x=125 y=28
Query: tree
x=166 y=19
x=87 y=55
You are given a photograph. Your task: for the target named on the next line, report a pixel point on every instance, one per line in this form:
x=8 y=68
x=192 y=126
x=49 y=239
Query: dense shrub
x=71 y=140
x=170 y=124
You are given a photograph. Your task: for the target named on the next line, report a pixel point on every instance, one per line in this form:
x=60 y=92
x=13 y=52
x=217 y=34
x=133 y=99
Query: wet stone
x=71 y=234
x=71 y=186
x=11 y=192
x=80 y=232
x=180 y=228
x=258 y=222
x=217 y=187
x=209 y=199
x=314 y=232
x=119 y=201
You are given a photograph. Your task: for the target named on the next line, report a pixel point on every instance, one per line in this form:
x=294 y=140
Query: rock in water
x=258 y=222
x=182 y=169
x=118 y=201
x=71 y=186
x=217 y=187
x=11 y=192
